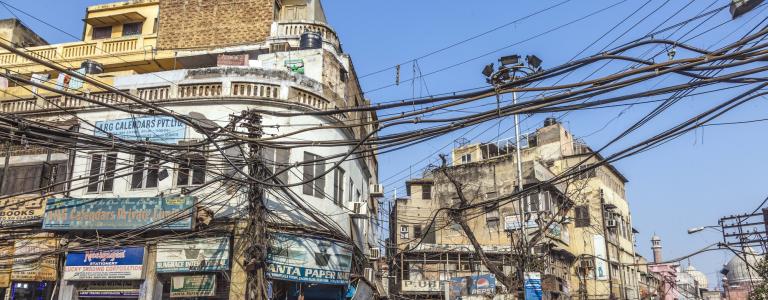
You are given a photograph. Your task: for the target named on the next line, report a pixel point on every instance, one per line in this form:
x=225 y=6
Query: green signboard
x=193 y=286
x=161 y=213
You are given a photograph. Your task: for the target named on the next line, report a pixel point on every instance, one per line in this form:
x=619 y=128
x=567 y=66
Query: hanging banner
x=21 y=210
x=193 y=286
x=35 y=259
x=169 y=213
x=108 y=264
x=6 y=261
x=601 y=259
x=310 y=260
x=532 y=284
x=158 y=129
x=199 y=255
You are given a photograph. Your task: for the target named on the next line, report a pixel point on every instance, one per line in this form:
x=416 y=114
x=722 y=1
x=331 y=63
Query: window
x=22 y=179
x=583 y=174
x=338 y=186
x=533 y=205
x=358 y=198
x=145 y=172
x=351 y=190
x=426 y=191
x=294 y=12
x=98 y=181
x=466 y=158
x=277 y=162
x=102 y=32
x=582 y=216
x=191 y=171
x=404 y=231
x=313 y=175
x=416 y=231
x=154 y=26
x=130 y=29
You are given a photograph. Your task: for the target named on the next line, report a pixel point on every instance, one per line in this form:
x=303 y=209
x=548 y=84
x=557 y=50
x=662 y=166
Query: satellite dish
x=202 y=121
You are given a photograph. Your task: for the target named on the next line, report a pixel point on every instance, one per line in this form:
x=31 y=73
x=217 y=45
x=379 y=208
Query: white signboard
x=465 y=248
x=601 y=263
x=514 y=223
x=421 y=286
x=200 y=255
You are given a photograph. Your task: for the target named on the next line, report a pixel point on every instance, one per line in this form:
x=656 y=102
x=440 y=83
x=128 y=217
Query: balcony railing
x=296 y=28
x=78 y=50
x=212 y=91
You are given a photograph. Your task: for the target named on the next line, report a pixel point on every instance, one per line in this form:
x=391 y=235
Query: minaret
x=656 y=246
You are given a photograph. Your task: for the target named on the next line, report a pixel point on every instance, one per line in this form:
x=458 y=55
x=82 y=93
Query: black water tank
x=311 y=40
x=92 y=67
x=550 y=122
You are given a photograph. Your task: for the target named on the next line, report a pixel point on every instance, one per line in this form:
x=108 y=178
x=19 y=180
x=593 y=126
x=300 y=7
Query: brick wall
x=210 y=23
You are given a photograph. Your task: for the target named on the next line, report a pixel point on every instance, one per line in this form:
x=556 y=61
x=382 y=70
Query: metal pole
x=520 y=204
x=607 y=248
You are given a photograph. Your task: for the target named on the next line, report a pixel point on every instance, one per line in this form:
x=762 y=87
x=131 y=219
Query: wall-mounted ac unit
x=374 y=253
x=377 y=190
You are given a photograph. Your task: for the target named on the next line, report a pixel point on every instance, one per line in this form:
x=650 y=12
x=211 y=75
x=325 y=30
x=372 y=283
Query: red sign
x=232 y=60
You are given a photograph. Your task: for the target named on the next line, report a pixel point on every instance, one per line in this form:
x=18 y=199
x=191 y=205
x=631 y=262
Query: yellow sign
x=6 y=260
x=35 y=259
x=22 y=210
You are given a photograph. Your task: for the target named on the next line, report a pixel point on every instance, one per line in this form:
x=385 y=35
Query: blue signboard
x=311 y=260
x=533 y=289
x=472 y=285
x=159 y=129
x=169 y=213
x=105 y=264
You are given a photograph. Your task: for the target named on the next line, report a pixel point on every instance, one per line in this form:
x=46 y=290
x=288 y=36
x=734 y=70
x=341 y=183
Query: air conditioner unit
x=374 y=253
x=611 y=224
x=588 y=264
x=369 y=275
x=376 y=190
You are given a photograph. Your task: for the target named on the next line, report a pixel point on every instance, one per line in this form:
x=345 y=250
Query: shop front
x=105 y=273
x=308 y=268
x=194 y=268
x=33 y=273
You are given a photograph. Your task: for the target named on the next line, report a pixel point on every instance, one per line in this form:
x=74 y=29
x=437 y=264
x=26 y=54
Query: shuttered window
x=582 y=216
x=313 y=175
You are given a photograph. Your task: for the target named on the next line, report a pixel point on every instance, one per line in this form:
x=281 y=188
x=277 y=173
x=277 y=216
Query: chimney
x=656 y=246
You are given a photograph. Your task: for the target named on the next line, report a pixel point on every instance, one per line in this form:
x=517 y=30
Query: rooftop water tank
x=550 y=122
x=92 y=67
x=311 y=40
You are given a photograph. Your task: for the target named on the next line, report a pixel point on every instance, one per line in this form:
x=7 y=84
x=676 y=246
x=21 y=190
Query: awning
x=128 y=17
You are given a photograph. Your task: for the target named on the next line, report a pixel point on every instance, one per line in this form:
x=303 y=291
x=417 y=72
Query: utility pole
x=257 y=227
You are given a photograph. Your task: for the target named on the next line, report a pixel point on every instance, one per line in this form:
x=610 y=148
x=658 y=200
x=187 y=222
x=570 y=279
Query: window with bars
x=145 y=172
x=313 y=175
x=582 y=216
x=130 y=29
x=102 y=32
x=102 y=172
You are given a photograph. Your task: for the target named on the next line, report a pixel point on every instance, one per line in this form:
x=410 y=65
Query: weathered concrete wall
x=12 y=30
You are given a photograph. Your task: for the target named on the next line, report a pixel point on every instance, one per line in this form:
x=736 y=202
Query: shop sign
x=119 y=213
x=532 y=284
x=193 y=286
x=514 y=223
x=6 y=261
x=463 y=248
x=158 y=129
x=310 y=260
x=21 y=210
x=472 y=285
x=239 y=60
x=105 y=264
x=200 y=255
x=110 y=289
x=601 y=259
x=421 y=286
x=559 y=232
x=35 y=259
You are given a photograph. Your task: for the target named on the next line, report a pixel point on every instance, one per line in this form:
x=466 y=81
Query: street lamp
x=693 y=230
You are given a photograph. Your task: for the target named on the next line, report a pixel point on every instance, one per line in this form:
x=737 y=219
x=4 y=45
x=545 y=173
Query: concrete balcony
x=107 y=51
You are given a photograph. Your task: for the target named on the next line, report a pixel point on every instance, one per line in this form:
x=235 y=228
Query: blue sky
x=691 y=181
